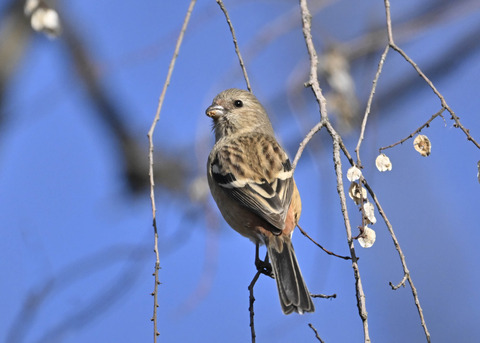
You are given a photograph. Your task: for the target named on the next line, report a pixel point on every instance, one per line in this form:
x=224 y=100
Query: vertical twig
x=150 y=169
x=361 y=303
x=337 y=146
x=237 y=50
x=251 y=302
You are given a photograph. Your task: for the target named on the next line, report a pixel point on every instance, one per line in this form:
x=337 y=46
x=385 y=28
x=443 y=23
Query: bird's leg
x=263 y=266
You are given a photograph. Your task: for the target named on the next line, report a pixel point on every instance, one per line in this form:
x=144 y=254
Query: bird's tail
x=292 y=290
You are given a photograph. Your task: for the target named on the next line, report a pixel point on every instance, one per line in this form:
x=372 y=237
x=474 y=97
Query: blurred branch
x=427 y=15
x=67 y=277
x=14 y=36
x=171 y=173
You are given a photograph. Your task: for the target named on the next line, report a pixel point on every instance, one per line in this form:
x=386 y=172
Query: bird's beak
x=215 y=111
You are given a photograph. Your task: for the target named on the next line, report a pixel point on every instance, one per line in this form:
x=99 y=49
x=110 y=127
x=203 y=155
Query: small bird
x=251 y=180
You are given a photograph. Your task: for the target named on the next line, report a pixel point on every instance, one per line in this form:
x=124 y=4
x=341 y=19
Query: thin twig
x=316 y=333
x=237 y=50
x=400 y=284
x=320 y=246
x=369 y=103
x=324 y=296
x=426 y=124
x=305 y=141
x=150 y=169
x=250 y=307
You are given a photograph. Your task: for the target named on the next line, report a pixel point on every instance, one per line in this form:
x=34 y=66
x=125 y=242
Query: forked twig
x=407 y=58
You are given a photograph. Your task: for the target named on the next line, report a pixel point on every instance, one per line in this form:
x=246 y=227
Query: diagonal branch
x=237 y=50
x=406 y=272
x=426 y=124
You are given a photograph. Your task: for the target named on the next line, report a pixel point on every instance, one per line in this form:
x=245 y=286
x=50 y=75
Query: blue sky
x=77 y=245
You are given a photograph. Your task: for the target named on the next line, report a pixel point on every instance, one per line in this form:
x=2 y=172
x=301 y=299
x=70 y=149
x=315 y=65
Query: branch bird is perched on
x=251 y=180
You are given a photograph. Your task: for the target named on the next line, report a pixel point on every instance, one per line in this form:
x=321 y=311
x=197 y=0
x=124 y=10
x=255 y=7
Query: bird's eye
x=238 y=103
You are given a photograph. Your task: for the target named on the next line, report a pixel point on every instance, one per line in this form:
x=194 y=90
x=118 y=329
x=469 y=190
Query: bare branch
x=426 y=124
x=402 y=259
x=251 y=301
x=313 y=80
x=316 y=333
x=407 y=58
x=337 y=146
x=237 y=50
x=150 y=158
x=444 y=104
x=305 y=141
x=400 y=284
x=362 y=310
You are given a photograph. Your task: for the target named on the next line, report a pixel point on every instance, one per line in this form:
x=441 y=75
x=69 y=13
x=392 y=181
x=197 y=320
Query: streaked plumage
x=251 y=180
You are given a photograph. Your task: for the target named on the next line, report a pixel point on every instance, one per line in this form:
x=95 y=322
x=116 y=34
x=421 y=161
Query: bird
x=251 y=180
